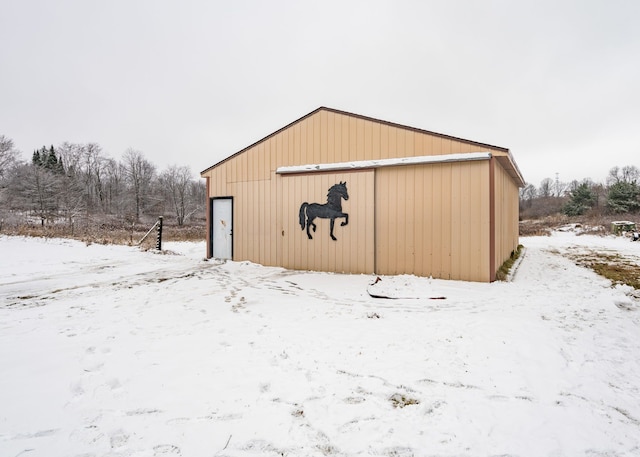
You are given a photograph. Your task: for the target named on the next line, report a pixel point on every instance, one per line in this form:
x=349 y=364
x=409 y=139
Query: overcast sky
x=192 y=82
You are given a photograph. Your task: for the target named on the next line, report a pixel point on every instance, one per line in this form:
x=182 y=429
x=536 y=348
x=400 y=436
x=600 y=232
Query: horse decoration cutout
x=330 y=210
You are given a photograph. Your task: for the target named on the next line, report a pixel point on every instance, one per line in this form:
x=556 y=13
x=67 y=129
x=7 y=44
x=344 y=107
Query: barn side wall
x=433 y=220
x=506 y=215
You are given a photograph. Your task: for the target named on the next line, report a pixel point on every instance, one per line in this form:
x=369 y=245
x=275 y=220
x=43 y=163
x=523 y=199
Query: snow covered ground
x=109 y=351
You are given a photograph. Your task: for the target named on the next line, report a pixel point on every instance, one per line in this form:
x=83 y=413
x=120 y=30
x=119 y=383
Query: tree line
x=619 y=195
x=78 y=184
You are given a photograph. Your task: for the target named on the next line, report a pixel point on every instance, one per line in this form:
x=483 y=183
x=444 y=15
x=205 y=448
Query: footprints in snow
x=166 y=449
x=237 y=304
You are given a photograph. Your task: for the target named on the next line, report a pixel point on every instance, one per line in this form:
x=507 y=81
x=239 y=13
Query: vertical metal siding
x=423 y=226
x=507 y=201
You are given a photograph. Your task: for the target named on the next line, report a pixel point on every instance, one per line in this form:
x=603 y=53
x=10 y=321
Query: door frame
x=211 y=199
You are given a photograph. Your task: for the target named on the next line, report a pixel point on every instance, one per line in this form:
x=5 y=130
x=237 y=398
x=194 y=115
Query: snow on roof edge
x=364 y=164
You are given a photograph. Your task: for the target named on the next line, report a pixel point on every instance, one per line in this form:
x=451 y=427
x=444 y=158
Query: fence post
x=159 y=238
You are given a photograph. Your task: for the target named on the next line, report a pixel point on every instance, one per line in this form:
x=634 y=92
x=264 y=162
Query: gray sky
x=191 y=82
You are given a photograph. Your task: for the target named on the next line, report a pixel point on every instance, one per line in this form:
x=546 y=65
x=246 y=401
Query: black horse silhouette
x=330 y=210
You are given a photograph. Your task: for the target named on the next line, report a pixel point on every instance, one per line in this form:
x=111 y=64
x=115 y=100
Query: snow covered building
x=336 y=191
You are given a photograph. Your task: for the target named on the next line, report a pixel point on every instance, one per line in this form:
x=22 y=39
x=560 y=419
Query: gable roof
x=512 y=169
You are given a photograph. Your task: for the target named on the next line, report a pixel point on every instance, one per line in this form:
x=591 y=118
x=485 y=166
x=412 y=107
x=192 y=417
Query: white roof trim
x=364 y=164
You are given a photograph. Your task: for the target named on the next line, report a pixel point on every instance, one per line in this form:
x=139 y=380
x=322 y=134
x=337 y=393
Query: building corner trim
x=492 y=221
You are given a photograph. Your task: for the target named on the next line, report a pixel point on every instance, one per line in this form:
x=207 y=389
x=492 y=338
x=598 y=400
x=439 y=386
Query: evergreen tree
x=623 y=197
x=581 y=199
x=35 y=159
x=48 y=159
x=51 y=160
x=60 y=167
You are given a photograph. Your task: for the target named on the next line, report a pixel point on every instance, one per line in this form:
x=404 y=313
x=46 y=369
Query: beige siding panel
x=291 y=144
x=444 y=242
x=482 y=231
x=409 y=143
x=456 y=147
x=330 y=146
x=368 y=140
x=507 y=201
x=270 y=157
x=456 y=194
x=418 y=144
x=229 y=171
x=337 y=138
x=384 y=141
x=262 y=162
x=419 y=221
x=243 y=244
x=375 y=141
x=402 y=143
x=345 y=141
x=409 y=199
x=275 y=193
x=248 y=165
x=352 y=151
x=315 y=137
x=264 y=234
x=427 y=145
x=243 y=167
x=360 y=139
x=446 y=221
x=278 y=147
x=392 y=151
x=465 y=232
x=467 y=226
x=426 y=209
x=391 y=212
x=323 y=137
x=436 y=146
x=436 y=221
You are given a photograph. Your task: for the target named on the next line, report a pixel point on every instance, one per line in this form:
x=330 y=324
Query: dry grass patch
x=110 y=233
x=613 y=266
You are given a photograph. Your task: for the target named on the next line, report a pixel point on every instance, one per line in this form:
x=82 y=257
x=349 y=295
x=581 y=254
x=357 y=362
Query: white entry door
x=222 y=228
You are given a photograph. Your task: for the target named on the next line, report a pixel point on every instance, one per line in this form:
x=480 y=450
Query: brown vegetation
x=106 y=233
x=588 y=224
x=613 y=266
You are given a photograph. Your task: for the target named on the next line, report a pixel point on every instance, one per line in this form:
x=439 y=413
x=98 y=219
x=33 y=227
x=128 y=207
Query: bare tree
x=139 y=174
x=37 y=189
x=71 y=156
x=115 y=190
x=527 y=194
x=627 y=174
x=95 y=170
x=175 y=182
x=8 y=155
x=198 y=198
x=8 y=162
x=72 y=197
x=546 y=188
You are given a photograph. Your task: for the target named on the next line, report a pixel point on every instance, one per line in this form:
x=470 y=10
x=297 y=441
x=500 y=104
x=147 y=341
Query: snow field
x=108 y=351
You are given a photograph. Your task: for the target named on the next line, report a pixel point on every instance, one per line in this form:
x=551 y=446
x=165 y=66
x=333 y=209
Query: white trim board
x=364 y=164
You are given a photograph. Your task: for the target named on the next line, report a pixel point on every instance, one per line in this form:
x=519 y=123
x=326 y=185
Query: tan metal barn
x=335 y=191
